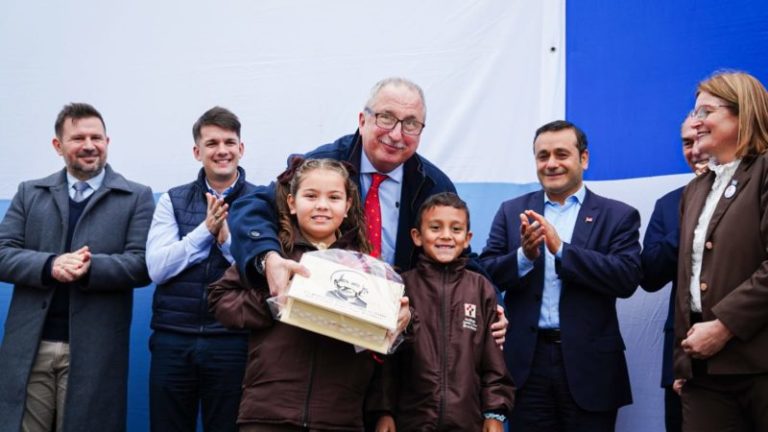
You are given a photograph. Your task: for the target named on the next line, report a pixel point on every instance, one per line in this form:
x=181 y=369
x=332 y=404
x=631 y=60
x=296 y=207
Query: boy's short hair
x=443 y=199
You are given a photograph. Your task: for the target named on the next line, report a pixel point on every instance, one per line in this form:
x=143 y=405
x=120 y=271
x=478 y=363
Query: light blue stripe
x=483 y=200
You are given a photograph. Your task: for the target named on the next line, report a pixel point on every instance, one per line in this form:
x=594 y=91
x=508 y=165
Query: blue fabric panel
x=483 y=200
x=632 y=70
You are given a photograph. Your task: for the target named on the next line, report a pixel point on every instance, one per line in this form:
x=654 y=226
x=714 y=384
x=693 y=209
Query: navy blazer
x=252 y=216
x=659 y=260
x=601 y=263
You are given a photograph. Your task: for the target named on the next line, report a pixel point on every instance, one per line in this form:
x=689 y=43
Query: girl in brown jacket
x=297 y=380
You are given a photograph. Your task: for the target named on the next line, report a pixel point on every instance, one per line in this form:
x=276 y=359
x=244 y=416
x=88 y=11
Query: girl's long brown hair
x=288 y=183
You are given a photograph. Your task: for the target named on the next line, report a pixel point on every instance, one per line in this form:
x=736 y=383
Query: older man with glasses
x=393 y=180
x=383 y=154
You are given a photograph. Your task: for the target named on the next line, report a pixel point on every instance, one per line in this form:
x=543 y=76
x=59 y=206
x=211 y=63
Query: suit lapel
x=96 y=197
x=112 y=181
x=694 y=205
x=60 y=194
x=536 y=202
x=739 y=181
x=58 y=187
x=355 y=160
x=589 y=215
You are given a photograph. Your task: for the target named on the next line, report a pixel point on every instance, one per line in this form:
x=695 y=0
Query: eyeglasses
x=388 y=121
x=704 y=111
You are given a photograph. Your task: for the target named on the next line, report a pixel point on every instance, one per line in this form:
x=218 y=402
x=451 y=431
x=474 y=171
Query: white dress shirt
x=168 y=255
x=723 y=175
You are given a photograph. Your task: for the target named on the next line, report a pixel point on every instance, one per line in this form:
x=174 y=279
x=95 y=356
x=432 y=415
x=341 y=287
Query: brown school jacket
x=293 y=377
x=453 y=371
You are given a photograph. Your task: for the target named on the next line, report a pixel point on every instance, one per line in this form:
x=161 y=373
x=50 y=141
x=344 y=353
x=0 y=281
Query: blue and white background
x=297 y=72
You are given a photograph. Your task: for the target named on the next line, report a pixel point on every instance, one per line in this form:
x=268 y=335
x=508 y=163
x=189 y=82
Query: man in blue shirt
x=196 y=362
x=563 y=255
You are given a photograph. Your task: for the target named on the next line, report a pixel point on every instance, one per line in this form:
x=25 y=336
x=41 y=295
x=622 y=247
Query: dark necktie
x=373 y=213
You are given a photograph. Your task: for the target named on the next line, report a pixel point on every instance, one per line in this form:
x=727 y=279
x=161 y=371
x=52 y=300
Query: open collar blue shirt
x=563 y=219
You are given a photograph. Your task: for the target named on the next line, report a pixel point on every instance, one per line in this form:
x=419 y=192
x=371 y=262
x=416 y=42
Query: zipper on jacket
x=305 y=417
x=444 y=357
x=205 y=294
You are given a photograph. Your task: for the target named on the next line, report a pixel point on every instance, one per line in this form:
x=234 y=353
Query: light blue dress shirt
x=94 y=183
x=563 y=218
x=389 y=198
x=167 y=255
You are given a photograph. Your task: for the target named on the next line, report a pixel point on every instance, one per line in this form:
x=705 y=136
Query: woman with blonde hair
x=721 y=316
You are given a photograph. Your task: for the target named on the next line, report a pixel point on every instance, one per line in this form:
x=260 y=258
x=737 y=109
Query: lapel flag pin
x=588 y=219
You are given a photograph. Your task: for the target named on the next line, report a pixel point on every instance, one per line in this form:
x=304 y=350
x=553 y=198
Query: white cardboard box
x=344 y=303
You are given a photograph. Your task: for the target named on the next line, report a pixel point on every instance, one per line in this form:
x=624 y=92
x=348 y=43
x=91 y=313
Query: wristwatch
x=490 y=415
x=261 y=262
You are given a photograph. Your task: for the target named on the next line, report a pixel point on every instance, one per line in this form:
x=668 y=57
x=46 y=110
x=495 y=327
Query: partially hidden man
x=659 y=258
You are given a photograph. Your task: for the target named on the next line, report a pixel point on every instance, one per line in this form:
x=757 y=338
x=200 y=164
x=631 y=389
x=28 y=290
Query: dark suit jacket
x=734 y=269
x=601 y=263
x=659 y=259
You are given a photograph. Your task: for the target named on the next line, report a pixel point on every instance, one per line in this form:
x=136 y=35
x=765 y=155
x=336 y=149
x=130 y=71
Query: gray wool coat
x=114 y=225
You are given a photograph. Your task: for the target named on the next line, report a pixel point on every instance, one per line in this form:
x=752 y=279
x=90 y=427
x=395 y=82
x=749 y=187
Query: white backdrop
x=297 y=73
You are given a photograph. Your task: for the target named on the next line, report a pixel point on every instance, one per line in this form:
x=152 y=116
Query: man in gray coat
x=73 y=245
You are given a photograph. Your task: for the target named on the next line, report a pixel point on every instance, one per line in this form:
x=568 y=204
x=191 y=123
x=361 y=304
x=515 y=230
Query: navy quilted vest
x=181 y=304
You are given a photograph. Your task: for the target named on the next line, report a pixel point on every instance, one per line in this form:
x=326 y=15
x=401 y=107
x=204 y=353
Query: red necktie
x=373 y=213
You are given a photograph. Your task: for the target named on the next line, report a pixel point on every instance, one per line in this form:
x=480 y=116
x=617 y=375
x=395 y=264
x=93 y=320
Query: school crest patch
x=470 y=317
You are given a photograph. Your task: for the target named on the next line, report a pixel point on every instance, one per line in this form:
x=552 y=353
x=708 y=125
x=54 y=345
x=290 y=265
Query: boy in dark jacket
x=452 y=376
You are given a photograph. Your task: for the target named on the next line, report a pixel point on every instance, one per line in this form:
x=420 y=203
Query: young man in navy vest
x=196 y=362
